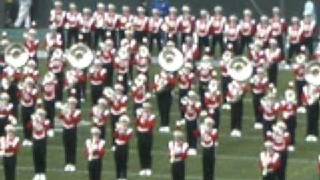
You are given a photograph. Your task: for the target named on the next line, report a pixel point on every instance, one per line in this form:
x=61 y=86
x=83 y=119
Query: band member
x=247 y=29
x=72 y=24
x=125 y=21
x=213 y=101
x=70 y=117
x=154 y=30
x=9 y=148
x=57 y=65
x=108 y=55
x=53 y=40
x=86 y=22
x=278 y=27
x=236 y=90
x=294 y=37
x=122 y=67
x=28 y=95
x=185 y=83
x=95 y=150
x=99 y=24
x=9 y=82
x=259 y=85
x=186 y=23
x=263 y=31
x=299 y=68
x=119 y=105
x=97 y=78
x=76 y=77
x=5 y=112
x=209 y=140
x=32 y=44
x=170 y=25
x=191 y=51
x=132 y=47
x=269 y=162
x=164 y=83
x=218 y=23
x=202 y=29
x=310 y=99
x=274 y=57
x=146 y=122
x=308 y=28
x=100 y=116
x=280 y=139
x=232 y=33
x=111 y=21
x=140 y=25
x=30 y=70
x=49 y=85
x=178 y=153
x=39 y=126
x=227 y=56
x=58 y=18
x=288 y=110
x=192 y=108
x=140 y=93
x=142 y=59
x=270 y=108
x=123 y=134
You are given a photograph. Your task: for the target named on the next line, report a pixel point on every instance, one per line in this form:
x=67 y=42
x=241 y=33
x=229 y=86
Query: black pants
x=145 y=143
x=192 y=126
x=26 y=117
x=308 y=42
x=273 y=73
x=60 y=86
x=293 y=49
x=50 y=109
x=9 y=167
x=113 y=37
x=224 y=83
x=77 y=87
x=203 y=86
x=245 y=42
x=136 y=106
x=291 y=123
x=121 y=35
x=114 y=120
x=70 y=145
x=139 y=35
x=103 y=131
x=121 y=160
x=235 y=45
x=313 y=119
x=40 y=155
x=109 y=74
x=182 y=93
x=124 y=82
x=203 y=42
x=3 y=123
x=13 y=91
x=184 y=36
x=299 y=90
x=216 y=117
x=237 y=114
x=178 y=170
x=267 y=126
x=72 y=34
x=60 y=30
x=155 y=37
x=217 y=39
x=96 y=93
x=270 y=176
x=208 y=163
x=164 y=99
x=87 y=38
x=99 y=36
x=279 y=40
x=257 y=107
x=283 y=160
x=94 y=168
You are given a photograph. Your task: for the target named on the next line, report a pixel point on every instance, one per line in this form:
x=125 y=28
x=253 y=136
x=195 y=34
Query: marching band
x=113 y=54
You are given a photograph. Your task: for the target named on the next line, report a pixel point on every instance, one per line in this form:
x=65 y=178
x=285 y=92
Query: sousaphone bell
x=170 y=59
x=80 y=56
x=240 y=68
x=16 y=55
x=312 y=74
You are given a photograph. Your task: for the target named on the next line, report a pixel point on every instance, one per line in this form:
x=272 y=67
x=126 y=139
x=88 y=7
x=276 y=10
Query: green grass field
x=237 y=159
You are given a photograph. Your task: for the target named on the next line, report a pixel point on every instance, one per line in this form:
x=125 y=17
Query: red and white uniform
x=111 y=21
x=122 y=66
x=170 y=25
x=125 y=21
x=208 y=138
x=259 y=84
x=288 y=109
x=95 y=149
x=191 y=52
x=70 y=119
x=178 y=151
x=186 y=24
x=56 y=65
x=203 y=26
x=139 y=94
x=10 y=146
x=280 y=142
x=308 y=29
x=270 y=109
x=72 y=20
x=154 y=24
x=191 y=110
x=99 y=19
x=161 y=83
x=146 y=121
x=30 y=72
x=142 y=63
x=232 y=32
x=108 y=56
x=28 y=97
x=263 y=33
x=205 y=74
x=273 y=55
x=140 y=23
x=86 y=23
x=119 y=105
x=294 y=34
x=57 y=18
x=259 y=58
x=270 y=160
x=97 y=77
x=299 y=71
x=212 y=101
x=185 y=81
x=218 y=22
x=122 y=135
x=32 y=47
x=247 y=27
x=49 y=91
x=5 y=111
x=39 y=128
x=53 y=41
x=100 y=116
x=310 y=95
x=278 y=26
x=235 y=91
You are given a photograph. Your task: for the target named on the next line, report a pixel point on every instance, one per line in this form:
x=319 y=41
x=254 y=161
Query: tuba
x=312 y=74
x=171 y=59
x=80 y=56
x=16 y=55
x=240 y=68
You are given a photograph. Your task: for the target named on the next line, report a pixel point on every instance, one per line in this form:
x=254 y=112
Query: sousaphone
x=80 y=56
x=312 y=75
x=240 y=68
x=16 y=55
x=170 y=59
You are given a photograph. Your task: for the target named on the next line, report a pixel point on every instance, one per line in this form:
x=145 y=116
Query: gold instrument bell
x=170 y=58
x=312 y=74
x=80 y=56
x=240 y=68
x=16 y=55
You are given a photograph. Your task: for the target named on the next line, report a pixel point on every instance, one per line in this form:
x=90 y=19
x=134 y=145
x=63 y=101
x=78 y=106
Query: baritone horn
x=312 y=74
x=16 y=55
x=80 y=56
x=170 y=59
x=240 y=68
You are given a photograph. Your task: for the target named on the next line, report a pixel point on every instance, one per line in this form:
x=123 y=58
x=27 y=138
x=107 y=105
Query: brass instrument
x=312 y=73
x=171 y=59
x=16 y=55
x=240 y=68
x=80 y=56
